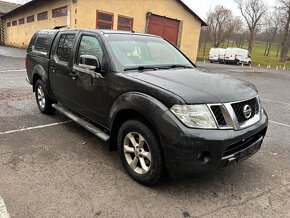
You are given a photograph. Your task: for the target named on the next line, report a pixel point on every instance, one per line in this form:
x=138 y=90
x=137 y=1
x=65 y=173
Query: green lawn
x=257 y=55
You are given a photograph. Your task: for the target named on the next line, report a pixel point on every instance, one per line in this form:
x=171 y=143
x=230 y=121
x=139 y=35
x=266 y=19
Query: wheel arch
x=39 y=73
x=133 y=105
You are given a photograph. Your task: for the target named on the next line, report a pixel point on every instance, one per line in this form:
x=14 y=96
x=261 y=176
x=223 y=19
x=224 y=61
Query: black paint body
x=149 y=95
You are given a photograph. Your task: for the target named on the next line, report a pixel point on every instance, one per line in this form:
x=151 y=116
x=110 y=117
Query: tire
x=42 y=99
x=146 y=159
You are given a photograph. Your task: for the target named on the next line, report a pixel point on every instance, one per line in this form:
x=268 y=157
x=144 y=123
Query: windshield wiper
x=177 y=66
x=141 y=68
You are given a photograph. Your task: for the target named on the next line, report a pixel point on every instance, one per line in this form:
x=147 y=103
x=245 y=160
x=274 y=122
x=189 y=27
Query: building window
x=125 y=23
x=42 y=16
x=14 y=23
x=30 y=19
x=21 y=21
x=105 y=20
x=9 y=24
x=64 y=47
x=59 y=12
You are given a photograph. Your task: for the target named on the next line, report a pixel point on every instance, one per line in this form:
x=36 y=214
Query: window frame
x=21 y=21
x=41 y=13
x=8 y=24
x=14 y=23
x=104 y=21
x=124 y=25
x=28 y=17
x=76 y=58
x=54 y=9
x=72 y=48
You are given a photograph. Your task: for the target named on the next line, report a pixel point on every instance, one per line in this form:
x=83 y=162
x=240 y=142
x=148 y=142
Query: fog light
x=204 y=157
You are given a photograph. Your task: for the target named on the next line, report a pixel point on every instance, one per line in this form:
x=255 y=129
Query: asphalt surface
x=64 y=171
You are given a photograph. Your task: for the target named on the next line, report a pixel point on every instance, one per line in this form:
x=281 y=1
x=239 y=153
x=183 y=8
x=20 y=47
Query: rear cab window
x=41 y=43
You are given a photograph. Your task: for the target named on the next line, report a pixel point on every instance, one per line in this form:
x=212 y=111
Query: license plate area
x=249 y=151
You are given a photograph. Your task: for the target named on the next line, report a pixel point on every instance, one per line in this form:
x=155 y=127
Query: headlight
x=194 y=116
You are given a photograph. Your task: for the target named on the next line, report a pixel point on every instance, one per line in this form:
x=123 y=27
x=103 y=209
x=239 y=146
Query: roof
x=192 y=12
x=6 y=7
x=30 y=3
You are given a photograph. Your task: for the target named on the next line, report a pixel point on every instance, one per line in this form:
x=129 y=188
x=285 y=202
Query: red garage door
x=164 y=27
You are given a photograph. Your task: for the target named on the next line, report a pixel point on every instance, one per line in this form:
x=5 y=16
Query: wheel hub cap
x=137 y=153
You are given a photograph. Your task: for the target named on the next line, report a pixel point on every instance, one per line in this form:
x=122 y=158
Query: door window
x=90 y=45
x=64 y=47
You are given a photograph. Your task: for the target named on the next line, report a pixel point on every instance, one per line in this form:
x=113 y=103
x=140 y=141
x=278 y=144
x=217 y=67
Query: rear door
x=60 y=68
x=164 y=27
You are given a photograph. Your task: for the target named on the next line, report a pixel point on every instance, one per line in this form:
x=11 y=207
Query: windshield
x=133 y=51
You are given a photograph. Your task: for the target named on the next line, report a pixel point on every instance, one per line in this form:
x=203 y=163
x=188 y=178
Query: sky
x=200 y=7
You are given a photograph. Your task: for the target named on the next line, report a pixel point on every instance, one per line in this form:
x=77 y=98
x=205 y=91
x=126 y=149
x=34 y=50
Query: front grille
x=238 y=109
x=218 y=115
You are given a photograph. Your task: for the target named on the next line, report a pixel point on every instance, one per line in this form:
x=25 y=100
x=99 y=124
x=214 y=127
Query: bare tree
x=272 y=21
x=285 y=6
x=220 y=24
x=252 y=11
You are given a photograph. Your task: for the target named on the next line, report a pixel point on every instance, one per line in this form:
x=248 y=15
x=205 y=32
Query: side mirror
x=91 y=62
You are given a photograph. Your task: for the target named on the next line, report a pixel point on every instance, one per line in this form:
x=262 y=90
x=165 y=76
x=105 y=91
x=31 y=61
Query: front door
x=90 y=87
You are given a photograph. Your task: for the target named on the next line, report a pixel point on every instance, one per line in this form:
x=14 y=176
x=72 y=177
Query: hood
x=197 y=87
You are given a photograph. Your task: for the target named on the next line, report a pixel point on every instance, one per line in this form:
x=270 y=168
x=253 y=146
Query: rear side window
x=64 y=47
x=42 y=44
x=31 y=44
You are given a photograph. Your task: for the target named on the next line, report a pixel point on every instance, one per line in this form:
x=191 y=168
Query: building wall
x=20 y=35
x=82 y=14
x=86 y=17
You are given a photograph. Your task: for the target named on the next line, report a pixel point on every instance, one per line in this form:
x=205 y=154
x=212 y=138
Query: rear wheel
x=42 y=99
x=140 y=152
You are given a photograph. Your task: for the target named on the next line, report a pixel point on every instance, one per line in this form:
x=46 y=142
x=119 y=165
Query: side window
x=90 y=45
x=64 y=47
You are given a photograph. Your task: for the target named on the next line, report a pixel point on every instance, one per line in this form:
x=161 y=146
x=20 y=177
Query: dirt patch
x=16 y=95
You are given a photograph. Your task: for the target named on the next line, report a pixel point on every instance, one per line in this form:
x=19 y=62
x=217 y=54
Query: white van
x=237 y=56
x=216 y=55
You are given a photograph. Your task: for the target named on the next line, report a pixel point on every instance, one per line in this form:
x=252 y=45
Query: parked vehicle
x=147 y=100
x=216 y=55
x=237 y=56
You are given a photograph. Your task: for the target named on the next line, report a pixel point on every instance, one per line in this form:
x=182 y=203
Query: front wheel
x=42 y=99
x=140 y=152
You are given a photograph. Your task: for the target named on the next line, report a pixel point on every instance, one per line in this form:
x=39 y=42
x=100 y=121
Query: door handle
x=74 y=75
x=53 y=68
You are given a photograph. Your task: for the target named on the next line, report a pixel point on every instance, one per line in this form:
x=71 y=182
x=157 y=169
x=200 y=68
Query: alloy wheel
x=137 y=153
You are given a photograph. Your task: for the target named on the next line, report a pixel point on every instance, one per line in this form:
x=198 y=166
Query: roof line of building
x=179 y=1
x=203 y=23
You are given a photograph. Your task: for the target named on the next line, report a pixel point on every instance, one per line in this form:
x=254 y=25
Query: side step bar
x=88 y=126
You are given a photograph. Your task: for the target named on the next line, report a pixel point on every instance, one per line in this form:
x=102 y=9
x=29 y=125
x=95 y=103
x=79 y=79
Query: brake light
x=26 y=63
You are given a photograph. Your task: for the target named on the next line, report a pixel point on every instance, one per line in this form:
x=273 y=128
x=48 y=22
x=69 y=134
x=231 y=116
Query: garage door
x=164 y=27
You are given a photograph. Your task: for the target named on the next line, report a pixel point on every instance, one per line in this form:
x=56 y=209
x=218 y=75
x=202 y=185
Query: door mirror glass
x=91 y=62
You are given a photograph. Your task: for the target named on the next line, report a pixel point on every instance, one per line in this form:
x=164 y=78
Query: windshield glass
x=136 y=50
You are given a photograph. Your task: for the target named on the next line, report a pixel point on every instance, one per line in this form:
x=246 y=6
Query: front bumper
x=194 y=150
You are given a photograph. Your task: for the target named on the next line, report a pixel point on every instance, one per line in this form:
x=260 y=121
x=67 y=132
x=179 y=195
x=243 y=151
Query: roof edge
x=203 y=23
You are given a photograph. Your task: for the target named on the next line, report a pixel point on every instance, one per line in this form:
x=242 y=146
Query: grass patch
x=257 y=55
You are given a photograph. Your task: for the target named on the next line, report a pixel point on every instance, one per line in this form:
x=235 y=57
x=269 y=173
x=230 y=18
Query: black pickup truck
x=146 y=99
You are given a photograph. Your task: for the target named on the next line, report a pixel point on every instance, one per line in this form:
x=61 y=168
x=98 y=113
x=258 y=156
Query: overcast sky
x=200 y=7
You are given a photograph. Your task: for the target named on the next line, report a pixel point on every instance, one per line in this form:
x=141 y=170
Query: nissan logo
x=247 y=111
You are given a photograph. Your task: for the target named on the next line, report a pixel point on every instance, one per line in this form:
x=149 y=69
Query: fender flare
x=39 y=71
x=144 y=104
